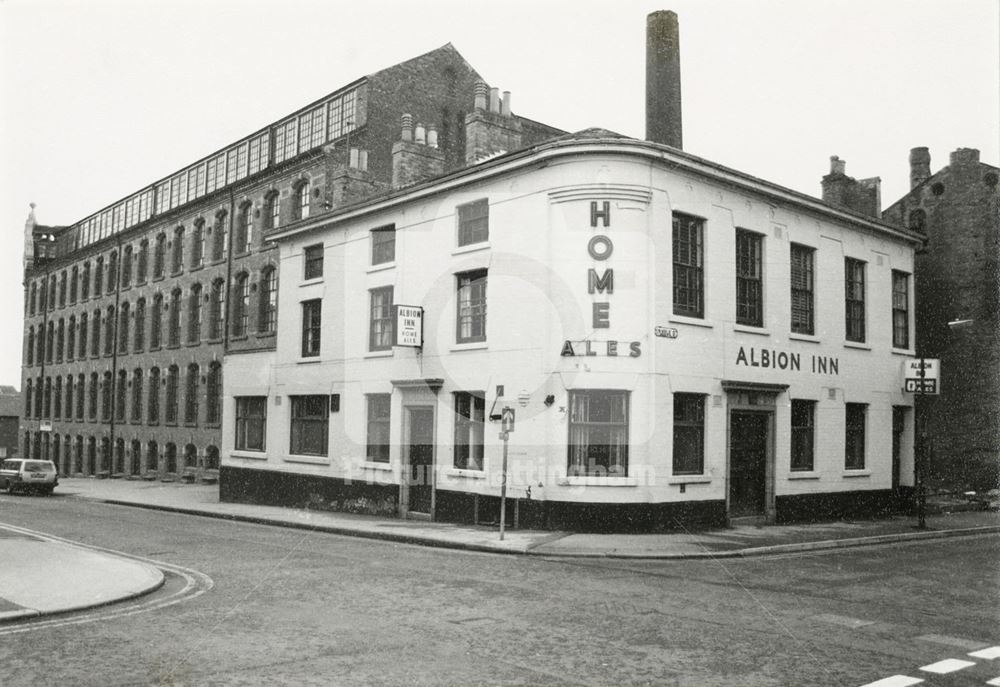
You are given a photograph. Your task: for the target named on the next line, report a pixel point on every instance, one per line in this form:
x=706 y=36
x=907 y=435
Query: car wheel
x=47 y=491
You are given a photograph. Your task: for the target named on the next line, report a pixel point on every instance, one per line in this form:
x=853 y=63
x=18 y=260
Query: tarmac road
x=299 y=607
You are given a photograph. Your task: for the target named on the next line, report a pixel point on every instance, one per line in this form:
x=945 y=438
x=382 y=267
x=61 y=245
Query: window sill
x=905 y=352
x=371 y=465
x=382 y=266
x=254 y=455
x=462 y=472
x=311 y=460
x=160 y=278
x=189 y=344
x=379 y=354
x=808 y=338
x=858 y=345
x=693 y=321
x=196 y=268
x=593 y=481
x=472 y=248
x=311 y=282
x=176 y=273
x=863 y=472
x=217 y=261
x=241 y=337
x=261 y=335
x=750 y=329
x=309 y=361
x=803 y=474
x=690 y=479
x=472 y=346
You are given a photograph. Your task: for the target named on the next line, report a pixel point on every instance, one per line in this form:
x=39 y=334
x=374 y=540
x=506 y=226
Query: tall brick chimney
x=920 y=166
x=663 y=79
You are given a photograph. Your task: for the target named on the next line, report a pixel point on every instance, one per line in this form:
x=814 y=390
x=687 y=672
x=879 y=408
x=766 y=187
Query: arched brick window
x=240 y=304
x=267 y=300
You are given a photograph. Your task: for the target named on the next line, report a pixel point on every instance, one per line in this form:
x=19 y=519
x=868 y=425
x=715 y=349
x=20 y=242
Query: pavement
x=43 y=575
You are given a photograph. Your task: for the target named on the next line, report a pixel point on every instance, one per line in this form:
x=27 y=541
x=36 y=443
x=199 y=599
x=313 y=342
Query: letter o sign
x=600 y=247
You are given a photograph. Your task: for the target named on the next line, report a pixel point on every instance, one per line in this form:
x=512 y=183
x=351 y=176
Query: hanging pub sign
x=409 y=321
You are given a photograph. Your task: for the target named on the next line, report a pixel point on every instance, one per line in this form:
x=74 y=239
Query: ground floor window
x=251 y=423
x=803 y=434
x=378 y=428
x=689 y=434
x=470 y=413
x=854 y=440
x=598 y=433
x=310 y=425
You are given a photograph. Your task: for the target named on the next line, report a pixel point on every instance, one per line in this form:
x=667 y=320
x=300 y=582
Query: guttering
x=544 y=153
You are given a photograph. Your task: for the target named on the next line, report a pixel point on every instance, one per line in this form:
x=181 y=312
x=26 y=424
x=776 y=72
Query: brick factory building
x=957 y=209
x=130 y=312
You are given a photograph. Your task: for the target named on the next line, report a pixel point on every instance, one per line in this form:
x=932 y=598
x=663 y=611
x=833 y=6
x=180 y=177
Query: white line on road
x=989 y=654
x=949 y=665
x=995 y=681
x=895 y=681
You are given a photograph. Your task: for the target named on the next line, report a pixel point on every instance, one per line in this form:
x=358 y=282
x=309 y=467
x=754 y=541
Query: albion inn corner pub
x=680 y=342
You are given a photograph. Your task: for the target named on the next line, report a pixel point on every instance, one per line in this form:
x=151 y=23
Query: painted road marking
x=989 y=654
x=995 y=681
x=949 y=665
x=843 y=620
x=952 y=641
x=895 y=681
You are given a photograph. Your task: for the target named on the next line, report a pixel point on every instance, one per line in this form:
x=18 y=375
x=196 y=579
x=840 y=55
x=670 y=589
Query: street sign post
x=922 y=377
x=506 y=427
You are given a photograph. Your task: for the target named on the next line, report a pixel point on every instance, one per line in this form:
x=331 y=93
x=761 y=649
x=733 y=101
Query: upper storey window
x=313 y=267
x=474 y=222
x=384 y=244
x=749 y=279
x=159 y=255
x=689 y=265
x=802 y=261
x=302 y=195
x=854 y=299
x=272 y=210
x=243 y=240
x=900 y=309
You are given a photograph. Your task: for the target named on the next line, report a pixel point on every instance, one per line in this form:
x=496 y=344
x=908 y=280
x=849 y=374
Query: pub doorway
x=418 y=482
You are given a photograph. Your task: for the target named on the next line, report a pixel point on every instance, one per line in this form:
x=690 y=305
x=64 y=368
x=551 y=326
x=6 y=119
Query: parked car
x=28 y=475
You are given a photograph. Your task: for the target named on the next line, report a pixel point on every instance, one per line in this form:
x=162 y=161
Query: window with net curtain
x=598 y=433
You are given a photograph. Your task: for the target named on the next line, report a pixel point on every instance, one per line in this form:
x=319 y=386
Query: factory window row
x=689 y=284
x=130 y=396
x=96 y=332
x=90 y=455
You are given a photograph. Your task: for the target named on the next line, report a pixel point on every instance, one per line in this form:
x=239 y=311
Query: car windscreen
x=10 y=465
x=37 y=466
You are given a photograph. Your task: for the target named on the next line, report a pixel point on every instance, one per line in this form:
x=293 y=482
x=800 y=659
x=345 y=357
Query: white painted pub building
x=680 y=342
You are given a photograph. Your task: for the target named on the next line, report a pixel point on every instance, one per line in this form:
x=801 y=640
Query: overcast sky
x=100 y=97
